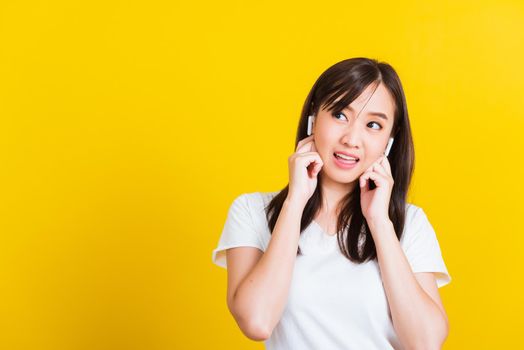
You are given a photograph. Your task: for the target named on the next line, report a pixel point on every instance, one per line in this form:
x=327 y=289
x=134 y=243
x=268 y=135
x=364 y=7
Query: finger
x=377 y=178
x=317 y=166
x=308 y=158
x=307 y=155
x=317 y=169
x=363 y=185
x=302 y=145
x=386 y=165
x=379 y=168
x=363 y=178
x=308 y=147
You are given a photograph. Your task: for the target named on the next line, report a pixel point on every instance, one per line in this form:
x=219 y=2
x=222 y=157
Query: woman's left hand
x=375 y=202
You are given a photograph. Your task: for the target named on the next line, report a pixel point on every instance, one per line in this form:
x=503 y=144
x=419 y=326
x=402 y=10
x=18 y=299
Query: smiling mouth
x=344 y=164
x=346 y=160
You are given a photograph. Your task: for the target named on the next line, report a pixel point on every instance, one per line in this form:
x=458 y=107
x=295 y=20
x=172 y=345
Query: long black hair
x=345 y=81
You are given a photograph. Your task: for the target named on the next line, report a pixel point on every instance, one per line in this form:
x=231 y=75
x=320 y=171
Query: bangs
x=340 y=94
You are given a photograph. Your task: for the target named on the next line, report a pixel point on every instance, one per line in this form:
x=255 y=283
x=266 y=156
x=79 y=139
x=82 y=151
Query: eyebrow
x=378 y=114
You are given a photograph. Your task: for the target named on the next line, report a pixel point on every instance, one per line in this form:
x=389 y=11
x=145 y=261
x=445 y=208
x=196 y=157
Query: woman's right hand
x=304 y=166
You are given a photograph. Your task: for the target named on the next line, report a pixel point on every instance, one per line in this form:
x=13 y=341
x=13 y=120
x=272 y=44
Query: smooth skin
x=258 y=283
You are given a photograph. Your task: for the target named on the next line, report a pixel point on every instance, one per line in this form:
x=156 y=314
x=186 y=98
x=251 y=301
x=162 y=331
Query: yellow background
x=127 y=129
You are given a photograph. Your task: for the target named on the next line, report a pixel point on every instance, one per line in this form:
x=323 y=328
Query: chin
x=340 y=177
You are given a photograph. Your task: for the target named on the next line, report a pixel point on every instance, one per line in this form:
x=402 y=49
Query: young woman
x=338 y=259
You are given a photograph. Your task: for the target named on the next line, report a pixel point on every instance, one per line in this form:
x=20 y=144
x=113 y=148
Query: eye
x=338 y=113
x=376 y=124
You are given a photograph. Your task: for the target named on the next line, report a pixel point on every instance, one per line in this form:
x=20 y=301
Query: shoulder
x=412 y=211
x=421 y=245
x=255 y=201
x=415 y=215
x=417 y=225
x=254 y=204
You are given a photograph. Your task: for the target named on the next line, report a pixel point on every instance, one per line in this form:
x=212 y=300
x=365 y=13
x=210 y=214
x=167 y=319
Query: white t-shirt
x=333 y=303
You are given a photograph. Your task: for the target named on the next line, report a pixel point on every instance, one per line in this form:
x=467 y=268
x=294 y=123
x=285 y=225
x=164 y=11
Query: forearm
x=263 y=294
x=417 y=319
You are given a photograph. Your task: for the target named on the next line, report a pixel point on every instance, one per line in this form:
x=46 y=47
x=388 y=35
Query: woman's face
x=365 y=136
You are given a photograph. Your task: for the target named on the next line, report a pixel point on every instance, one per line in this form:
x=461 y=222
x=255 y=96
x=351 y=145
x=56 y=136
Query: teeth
x=345 y=157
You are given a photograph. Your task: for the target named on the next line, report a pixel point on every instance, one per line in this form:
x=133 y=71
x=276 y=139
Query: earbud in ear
x=310 y=120
x=388 y=147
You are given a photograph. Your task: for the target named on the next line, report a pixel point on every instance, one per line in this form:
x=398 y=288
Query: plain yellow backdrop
x=128 y=127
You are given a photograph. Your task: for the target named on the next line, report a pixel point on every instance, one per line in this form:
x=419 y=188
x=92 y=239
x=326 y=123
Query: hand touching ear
x=304 y=166
x=375 y=203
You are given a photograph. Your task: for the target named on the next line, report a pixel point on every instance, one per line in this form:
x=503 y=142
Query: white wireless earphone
x=310 y=120
x=388 y=147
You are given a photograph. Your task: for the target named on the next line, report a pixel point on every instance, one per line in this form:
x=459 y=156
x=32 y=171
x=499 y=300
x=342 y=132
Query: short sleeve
x=423 y=250
x=239 y=230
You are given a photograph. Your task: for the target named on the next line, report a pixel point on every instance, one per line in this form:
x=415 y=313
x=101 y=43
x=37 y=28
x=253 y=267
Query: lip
x=342 y=164
x=347 y=154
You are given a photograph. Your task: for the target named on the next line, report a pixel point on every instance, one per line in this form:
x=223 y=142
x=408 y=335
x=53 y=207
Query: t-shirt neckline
x=329 y=235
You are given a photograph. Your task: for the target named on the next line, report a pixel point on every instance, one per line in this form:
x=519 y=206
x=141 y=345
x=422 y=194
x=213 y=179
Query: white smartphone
x=388 y=147
x=310 y=120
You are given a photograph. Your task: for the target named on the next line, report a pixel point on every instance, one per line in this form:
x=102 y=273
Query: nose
x=352 y=136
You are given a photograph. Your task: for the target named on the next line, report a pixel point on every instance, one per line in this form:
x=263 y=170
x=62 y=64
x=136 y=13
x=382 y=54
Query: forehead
x=374 y=100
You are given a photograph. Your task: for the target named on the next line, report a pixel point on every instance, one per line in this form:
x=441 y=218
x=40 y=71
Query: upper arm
x=422 y=249
x=428 y=282
x=240 y=262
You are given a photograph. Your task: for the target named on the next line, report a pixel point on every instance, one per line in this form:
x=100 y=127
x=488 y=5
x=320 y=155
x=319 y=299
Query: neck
x=332 y=194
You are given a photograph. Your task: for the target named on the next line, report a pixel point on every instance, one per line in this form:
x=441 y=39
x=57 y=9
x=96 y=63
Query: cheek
x=326 y=135
x=372 y=154
x=321 y=140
